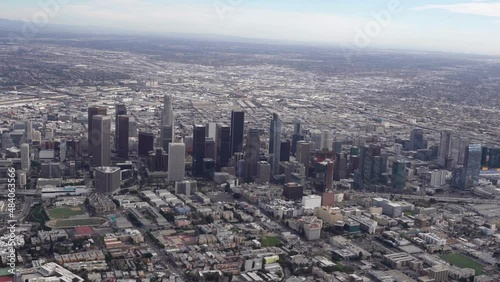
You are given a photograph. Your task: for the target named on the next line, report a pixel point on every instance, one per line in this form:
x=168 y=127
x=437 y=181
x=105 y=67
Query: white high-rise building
x=37 y=136
x=438 y=178
x=107 y=180
x=211 y=130
x=25 y=157
x=176 y=161
x=326 y=139
x=21 y=179
x=316 y=139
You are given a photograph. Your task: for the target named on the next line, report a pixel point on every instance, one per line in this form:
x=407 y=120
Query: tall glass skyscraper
x=472 y=165
x=237 y=127
x=275 y=143
x=167 y=123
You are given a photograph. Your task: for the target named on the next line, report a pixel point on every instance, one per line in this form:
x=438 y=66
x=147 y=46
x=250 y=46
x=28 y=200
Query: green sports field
x=64 y=212
x=463 y=262
x=70 y=223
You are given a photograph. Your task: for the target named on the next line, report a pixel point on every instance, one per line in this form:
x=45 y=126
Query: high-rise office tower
x=252 y=152
x=285 y=151
x=101 y=140
x=303 y=154
x=494 y=158
x=25 y=157
x=146 y=143
x=237 y=127
x=176 y=161
x=167 y=123
x=93 y=111
x=464 y=146
x=329 y=175
x=62 y=151
x=29 y=131
x=275 y=143
x=472 y=165
x=107 y=180
x=371 y=166
x=296 y=136
x=198 y=149
x=263 y=172
x=398 y=179
x=326 y=140
x=223 y=145
x=444 y=148
x=340 y=171
x=210 y=148
x=122 y=135
x=316 y=139
x=158 y=160
x=133 y=132
x=120 y=110
x=211 y=130
x=417 y=140
x=297 y=126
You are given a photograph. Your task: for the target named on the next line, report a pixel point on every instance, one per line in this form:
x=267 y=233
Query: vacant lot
x=463 y=262
x=64 y=212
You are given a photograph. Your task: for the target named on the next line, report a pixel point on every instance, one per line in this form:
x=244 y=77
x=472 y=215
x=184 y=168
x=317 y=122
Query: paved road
x=437 y=198
x=28 y=201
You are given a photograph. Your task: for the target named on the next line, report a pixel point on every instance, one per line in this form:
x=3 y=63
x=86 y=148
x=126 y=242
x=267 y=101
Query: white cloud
x=488 y=9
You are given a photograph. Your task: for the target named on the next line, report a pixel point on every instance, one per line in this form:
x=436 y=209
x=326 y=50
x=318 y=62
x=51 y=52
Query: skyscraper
x=25 y=157
x=158 y=160
x=167 y=123
x=211 y=130
x=275 y=143
x=472 y=165
x=316 y=139
x=107 y=180
x=398 y=179
x=198 y=149
x=210 y=148
x=296 y=136
x=417 y=140
x=176 y=161
x=372 y=165
x=285 y=151
x=29 y=131
x=101 y=140
x=444 y=148
x=252 y=152
x=237 y=127
x=223 y=145
x=93 y=111
x=297 y=126
x=326 y=140
x=146 y=143
x=122 y=135
x=120 y=110
x=304 y=154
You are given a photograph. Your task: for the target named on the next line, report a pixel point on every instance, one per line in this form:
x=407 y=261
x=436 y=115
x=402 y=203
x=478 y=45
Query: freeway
x=441 y=199
x=28 y=201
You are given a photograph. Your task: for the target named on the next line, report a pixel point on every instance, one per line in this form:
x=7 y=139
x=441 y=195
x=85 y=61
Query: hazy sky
x=442 y=25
